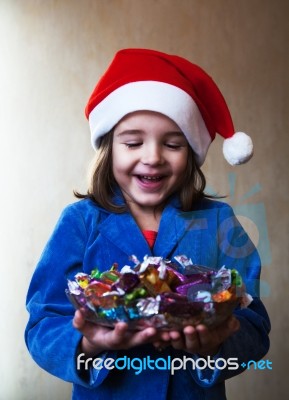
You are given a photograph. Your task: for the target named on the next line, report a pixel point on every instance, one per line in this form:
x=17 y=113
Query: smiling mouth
x=146 y=178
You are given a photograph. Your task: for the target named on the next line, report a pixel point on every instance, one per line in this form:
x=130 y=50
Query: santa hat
x=142 y=79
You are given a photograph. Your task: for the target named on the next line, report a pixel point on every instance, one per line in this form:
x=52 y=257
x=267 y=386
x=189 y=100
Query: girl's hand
x=199 y=339
x=97 y=338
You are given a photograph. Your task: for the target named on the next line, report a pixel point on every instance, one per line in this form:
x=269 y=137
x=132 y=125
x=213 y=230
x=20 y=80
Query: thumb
x=78 y=320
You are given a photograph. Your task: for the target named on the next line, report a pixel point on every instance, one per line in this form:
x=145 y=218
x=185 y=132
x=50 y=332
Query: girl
x=152 y=118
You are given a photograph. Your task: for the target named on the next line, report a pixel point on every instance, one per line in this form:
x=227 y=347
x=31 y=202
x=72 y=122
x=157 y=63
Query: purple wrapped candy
x=173 y=277
x=176 y=304
x=194 y=280
x=126 y=282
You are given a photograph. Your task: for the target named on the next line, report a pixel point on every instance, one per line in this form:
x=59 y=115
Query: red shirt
x=150 y=237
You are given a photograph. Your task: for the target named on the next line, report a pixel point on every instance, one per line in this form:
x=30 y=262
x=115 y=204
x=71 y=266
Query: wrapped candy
x=126 y=282
x=152 y=282
x=157 y=292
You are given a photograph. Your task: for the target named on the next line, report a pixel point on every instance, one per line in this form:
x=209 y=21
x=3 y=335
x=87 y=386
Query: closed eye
x=132 y=145
x=173 y=146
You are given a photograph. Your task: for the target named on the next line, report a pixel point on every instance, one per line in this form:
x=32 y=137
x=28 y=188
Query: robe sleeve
x=50 y=337
x=251 y=341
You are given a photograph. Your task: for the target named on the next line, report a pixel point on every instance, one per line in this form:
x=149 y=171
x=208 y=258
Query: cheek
x=119 y=161
x=181 y=164
x=116 y=156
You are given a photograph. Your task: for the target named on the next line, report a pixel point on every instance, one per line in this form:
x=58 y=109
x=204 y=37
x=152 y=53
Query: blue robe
x=87 y=236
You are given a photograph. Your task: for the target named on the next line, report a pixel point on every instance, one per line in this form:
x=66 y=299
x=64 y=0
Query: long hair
x=103 y=185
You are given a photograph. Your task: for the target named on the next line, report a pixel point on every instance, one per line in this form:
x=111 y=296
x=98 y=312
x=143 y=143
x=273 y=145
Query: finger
x=192 y=341
x=164 y=336
x=118 y=334
x=78 y=320
x=145 y=336
x=123 y=338
x=206 y=337
x=174 y=335
x=120 y=329
x=177 y=340
x=214 y=338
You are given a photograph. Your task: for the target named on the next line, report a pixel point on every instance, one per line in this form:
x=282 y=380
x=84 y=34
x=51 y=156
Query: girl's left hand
x=199 y=339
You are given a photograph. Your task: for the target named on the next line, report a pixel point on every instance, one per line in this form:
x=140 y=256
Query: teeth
x=151 y=178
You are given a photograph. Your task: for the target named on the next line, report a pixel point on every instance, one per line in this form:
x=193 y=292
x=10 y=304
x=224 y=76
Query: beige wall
x=51 y=54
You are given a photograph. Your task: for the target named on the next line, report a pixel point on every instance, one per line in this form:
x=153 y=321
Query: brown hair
x=103 y=184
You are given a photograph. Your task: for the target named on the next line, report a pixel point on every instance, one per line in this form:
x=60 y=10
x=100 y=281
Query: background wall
x=51 y=55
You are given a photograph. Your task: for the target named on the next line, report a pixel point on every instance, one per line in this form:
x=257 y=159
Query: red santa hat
x=142 y=79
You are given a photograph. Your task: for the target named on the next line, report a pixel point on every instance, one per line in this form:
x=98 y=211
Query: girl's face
x=149 y=158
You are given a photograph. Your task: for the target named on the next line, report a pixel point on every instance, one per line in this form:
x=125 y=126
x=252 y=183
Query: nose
x=152 y=155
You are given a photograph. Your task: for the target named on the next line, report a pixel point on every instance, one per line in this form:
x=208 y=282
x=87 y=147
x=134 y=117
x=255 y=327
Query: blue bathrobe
x=87 y=236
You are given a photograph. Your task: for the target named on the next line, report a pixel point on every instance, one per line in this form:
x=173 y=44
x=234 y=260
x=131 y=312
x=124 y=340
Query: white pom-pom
x=238 y=149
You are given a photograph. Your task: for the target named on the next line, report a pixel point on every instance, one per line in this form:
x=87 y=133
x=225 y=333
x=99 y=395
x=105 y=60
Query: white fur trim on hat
x=238 y=149
x=155 y=96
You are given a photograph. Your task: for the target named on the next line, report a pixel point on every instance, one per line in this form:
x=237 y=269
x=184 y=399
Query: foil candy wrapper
x=158 y=293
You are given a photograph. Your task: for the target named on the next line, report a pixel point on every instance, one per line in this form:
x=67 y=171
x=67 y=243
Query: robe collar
x=123 y=231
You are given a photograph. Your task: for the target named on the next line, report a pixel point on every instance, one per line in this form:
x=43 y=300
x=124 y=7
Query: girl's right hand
x=97 y=339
